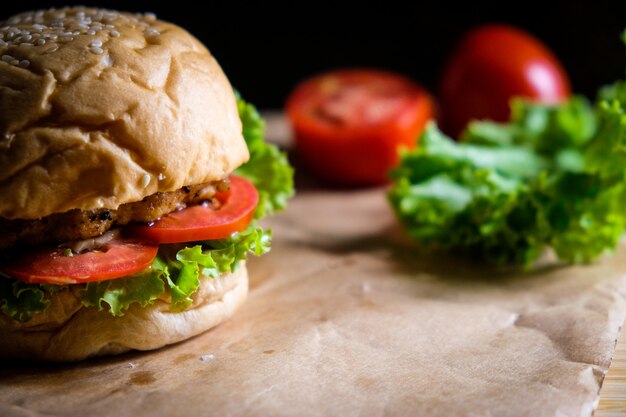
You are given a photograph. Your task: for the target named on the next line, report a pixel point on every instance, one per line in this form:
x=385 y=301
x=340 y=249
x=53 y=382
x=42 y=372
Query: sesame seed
x=96 y=50
x=24 y=63
x=15 y=62
x=40 y=27
x=96 y=42
x=7 y=58
x=145 y=181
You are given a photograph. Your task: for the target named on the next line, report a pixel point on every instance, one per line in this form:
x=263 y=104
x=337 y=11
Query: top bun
x=100 y=108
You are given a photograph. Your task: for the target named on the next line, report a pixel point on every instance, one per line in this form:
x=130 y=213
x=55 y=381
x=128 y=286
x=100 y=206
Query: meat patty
x=78 y=224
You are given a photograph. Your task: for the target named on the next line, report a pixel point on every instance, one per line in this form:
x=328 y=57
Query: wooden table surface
x=613 y=392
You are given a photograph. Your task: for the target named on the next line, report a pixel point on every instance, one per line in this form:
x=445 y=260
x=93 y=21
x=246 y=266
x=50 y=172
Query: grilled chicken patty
x=79 y=224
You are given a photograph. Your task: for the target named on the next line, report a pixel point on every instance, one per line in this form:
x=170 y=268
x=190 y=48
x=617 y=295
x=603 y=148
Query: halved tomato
x=115 y=259
x=204 y=222
x=349 y=124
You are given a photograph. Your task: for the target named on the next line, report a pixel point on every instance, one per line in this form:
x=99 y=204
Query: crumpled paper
x=346 y=317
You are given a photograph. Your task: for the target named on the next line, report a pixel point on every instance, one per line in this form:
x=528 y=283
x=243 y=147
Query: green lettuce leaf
x=544 y=129
x=551 y=177
x=177 y=270
x=21 y=301
x=119 y=294
x=268 y=168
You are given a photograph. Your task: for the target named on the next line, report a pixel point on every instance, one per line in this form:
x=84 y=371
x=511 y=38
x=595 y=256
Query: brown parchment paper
x=346 y=318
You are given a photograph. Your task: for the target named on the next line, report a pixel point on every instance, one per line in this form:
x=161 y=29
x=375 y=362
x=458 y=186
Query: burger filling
x=79 y=225
x=157 y=248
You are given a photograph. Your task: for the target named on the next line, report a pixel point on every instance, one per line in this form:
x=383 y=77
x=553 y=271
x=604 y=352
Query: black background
x=265 y=48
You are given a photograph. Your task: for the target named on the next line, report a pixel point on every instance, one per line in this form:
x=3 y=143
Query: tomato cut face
x=115 y=259
x=202 y=222
x=491 y=65
x=349 y=124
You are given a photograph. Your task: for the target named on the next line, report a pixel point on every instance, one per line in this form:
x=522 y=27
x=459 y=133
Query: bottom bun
x=68 y=331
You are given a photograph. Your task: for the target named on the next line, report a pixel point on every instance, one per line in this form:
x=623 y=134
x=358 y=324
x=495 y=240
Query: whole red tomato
x=349 y=124
x=491 y=65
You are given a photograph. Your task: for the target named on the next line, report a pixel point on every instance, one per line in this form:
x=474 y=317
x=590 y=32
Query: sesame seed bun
x=67 y=331
x=100 y=108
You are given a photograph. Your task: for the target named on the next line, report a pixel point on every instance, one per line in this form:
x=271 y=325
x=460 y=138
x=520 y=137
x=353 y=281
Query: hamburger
x=132 y=178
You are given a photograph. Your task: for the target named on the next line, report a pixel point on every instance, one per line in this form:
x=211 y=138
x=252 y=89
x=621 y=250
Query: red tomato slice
x=205 y=223
x=118 y=258
x=491 y=65
x=349 y=124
